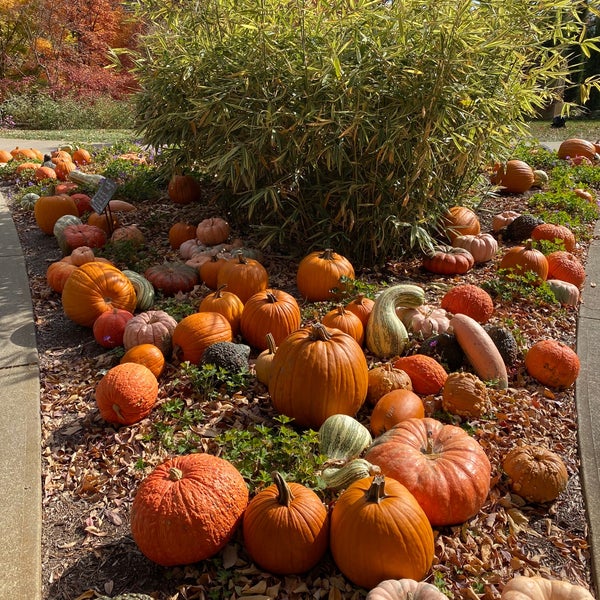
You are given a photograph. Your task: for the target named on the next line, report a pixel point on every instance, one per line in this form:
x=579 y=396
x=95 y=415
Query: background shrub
x=351 y=125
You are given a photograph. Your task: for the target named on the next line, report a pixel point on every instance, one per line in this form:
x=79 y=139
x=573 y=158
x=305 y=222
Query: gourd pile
x=394 y=362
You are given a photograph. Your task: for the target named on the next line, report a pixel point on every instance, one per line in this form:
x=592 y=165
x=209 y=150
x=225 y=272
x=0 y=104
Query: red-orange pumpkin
x=148 y=355
x=552 y=363
x=319 y=274
x=109 y=327
x=187 y=509
x=555 y=233
x=449 y=261
x=270 y=311
x=362 y=307
x=172 y=277
x=42 y=173
x=426 y=374
x=460 y=220
x=94 y=288
x=394 y=407
x=446 y=470
x=318 y=372
x=196 y=332
x=286 y=528
x=574 y=147
x=468 y=299
x=379 y=532
x=126 y=394
x=525 y=259
x=179 y=233
x=84 y=235
x=83 y=203
x=57 y=274
x=565 y=266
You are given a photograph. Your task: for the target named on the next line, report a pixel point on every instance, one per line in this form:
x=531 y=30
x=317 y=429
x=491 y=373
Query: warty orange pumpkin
x=187 y=509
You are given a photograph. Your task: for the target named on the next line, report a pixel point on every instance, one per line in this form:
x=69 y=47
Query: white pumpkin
x=425 y=320
x=482 y=246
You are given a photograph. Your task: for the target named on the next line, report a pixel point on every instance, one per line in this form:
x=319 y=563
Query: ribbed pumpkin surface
x=196 y=332
x=187 y=509
x=442 y=466
x=94 y=288
x=318 y=372
x=376 y=540
x=48 y=209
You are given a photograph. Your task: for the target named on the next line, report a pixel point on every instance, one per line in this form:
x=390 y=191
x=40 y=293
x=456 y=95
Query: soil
x=91 y=469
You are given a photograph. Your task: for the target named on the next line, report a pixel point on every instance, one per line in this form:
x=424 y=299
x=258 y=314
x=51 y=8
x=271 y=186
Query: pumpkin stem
x=271 y=343
x=376 y=491
x=327 y=254
x=285 y=496
x=118 y=412
x=218 y=293
x=341 y=310
x=429 y=448
x=270 y=297
x=175 y=474
x=319 y=333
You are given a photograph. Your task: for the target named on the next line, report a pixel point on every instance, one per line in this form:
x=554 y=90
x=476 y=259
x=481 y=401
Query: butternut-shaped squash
x=386 y=334
x=480 y=350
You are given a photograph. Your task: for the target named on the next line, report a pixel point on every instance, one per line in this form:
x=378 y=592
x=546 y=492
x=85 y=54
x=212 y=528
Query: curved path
x=20 y=431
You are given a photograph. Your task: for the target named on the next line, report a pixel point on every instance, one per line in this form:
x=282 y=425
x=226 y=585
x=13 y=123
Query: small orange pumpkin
x=148 y=355
x=184 y=189
x=57 y=274
x=524 y=259
x=516 y=176
x=213 y=231
x=81 y=157
x=243 y=276
x=179 y=233
x=362 y=307
x=319 y=273
x=394 y=407
x=427 y=375
x=460 y=220
x=226 y=303
x=552 y=363
x=345 y=321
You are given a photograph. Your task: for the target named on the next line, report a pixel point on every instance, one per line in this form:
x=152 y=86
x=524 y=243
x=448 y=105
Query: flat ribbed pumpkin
x=446 y=470
x=318 y=372
x=127 y=393
x=187 y=509
x=94 y=288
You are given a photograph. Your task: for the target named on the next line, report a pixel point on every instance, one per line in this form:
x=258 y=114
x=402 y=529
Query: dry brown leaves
x=91 y=470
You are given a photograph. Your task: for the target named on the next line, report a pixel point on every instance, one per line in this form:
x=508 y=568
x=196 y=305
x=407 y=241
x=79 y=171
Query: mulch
x=91 y=469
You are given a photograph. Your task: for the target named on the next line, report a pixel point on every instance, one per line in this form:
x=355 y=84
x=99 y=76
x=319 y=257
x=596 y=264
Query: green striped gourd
x=386 y=334
x=59 y=231
x=144 y=290
x=339 y=478
x=342 y=437
x=28 y=200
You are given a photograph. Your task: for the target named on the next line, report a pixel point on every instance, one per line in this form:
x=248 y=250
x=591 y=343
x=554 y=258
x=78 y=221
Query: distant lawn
x=76 y=136
x=586 y=130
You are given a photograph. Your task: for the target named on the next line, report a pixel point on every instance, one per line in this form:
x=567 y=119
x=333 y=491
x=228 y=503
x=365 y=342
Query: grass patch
x=77 y=136
x=579 y=128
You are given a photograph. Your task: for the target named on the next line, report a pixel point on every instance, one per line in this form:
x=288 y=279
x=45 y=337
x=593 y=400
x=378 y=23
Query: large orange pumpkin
x=48 y=209
x=286 y=528
x=379 y=532
x=94 y=288
x=516 y=176
x=318 y=372
x=196 y=332
x=574 y=147
x=269 y=311
x=446 y=470
x=126 y=394
x=187 y=509
x=319 y=274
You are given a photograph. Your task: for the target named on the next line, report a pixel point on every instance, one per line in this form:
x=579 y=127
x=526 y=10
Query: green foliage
x=41 y=111
x=211 y=381
x=177 y=308
x=260 y=449
x=347 y=124
x=536 y=156
x=137 y=182
x=525 y=287
x=174 y=428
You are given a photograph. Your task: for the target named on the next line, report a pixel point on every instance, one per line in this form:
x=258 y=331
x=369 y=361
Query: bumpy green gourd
x=342 y=437
x=386 y=334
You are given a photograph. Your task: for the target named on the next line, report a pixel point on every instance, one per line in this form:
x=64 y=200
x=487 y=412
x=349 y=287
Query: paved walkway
x=20 y=464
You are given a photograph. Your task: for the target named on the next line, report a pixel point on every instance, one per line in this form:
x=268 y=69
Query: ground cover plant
x=92 y=467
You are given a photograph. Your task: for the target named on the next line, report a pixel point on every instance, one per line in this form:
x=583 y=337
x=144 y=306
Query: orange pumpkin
x=226 y=303
x=209 y=270
x=394 y=407
x=104 y=222
x=319 y=274
x=345 y=321
x=148 y=355
x=426 y=374
x=48 y=209
x=446 y=470
x=187 y=509
x=269 y=311
x=286 y=528
x=525 y=259
x=318 y=372
x=379 y=532
x=81 y=157
x=566 y=267
x=179 y=233
x=42 y=173
x=63 y=168
x=57 y=274
x=24 y=154
x=196 y=332
x=552 y=363
x=184 y=189
x=94 y=288
x=362 y=307
x=516 y=176
x=5 y=156
x=126 y=394
x=460 y=220
x=243 y=277
x=575 y=147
